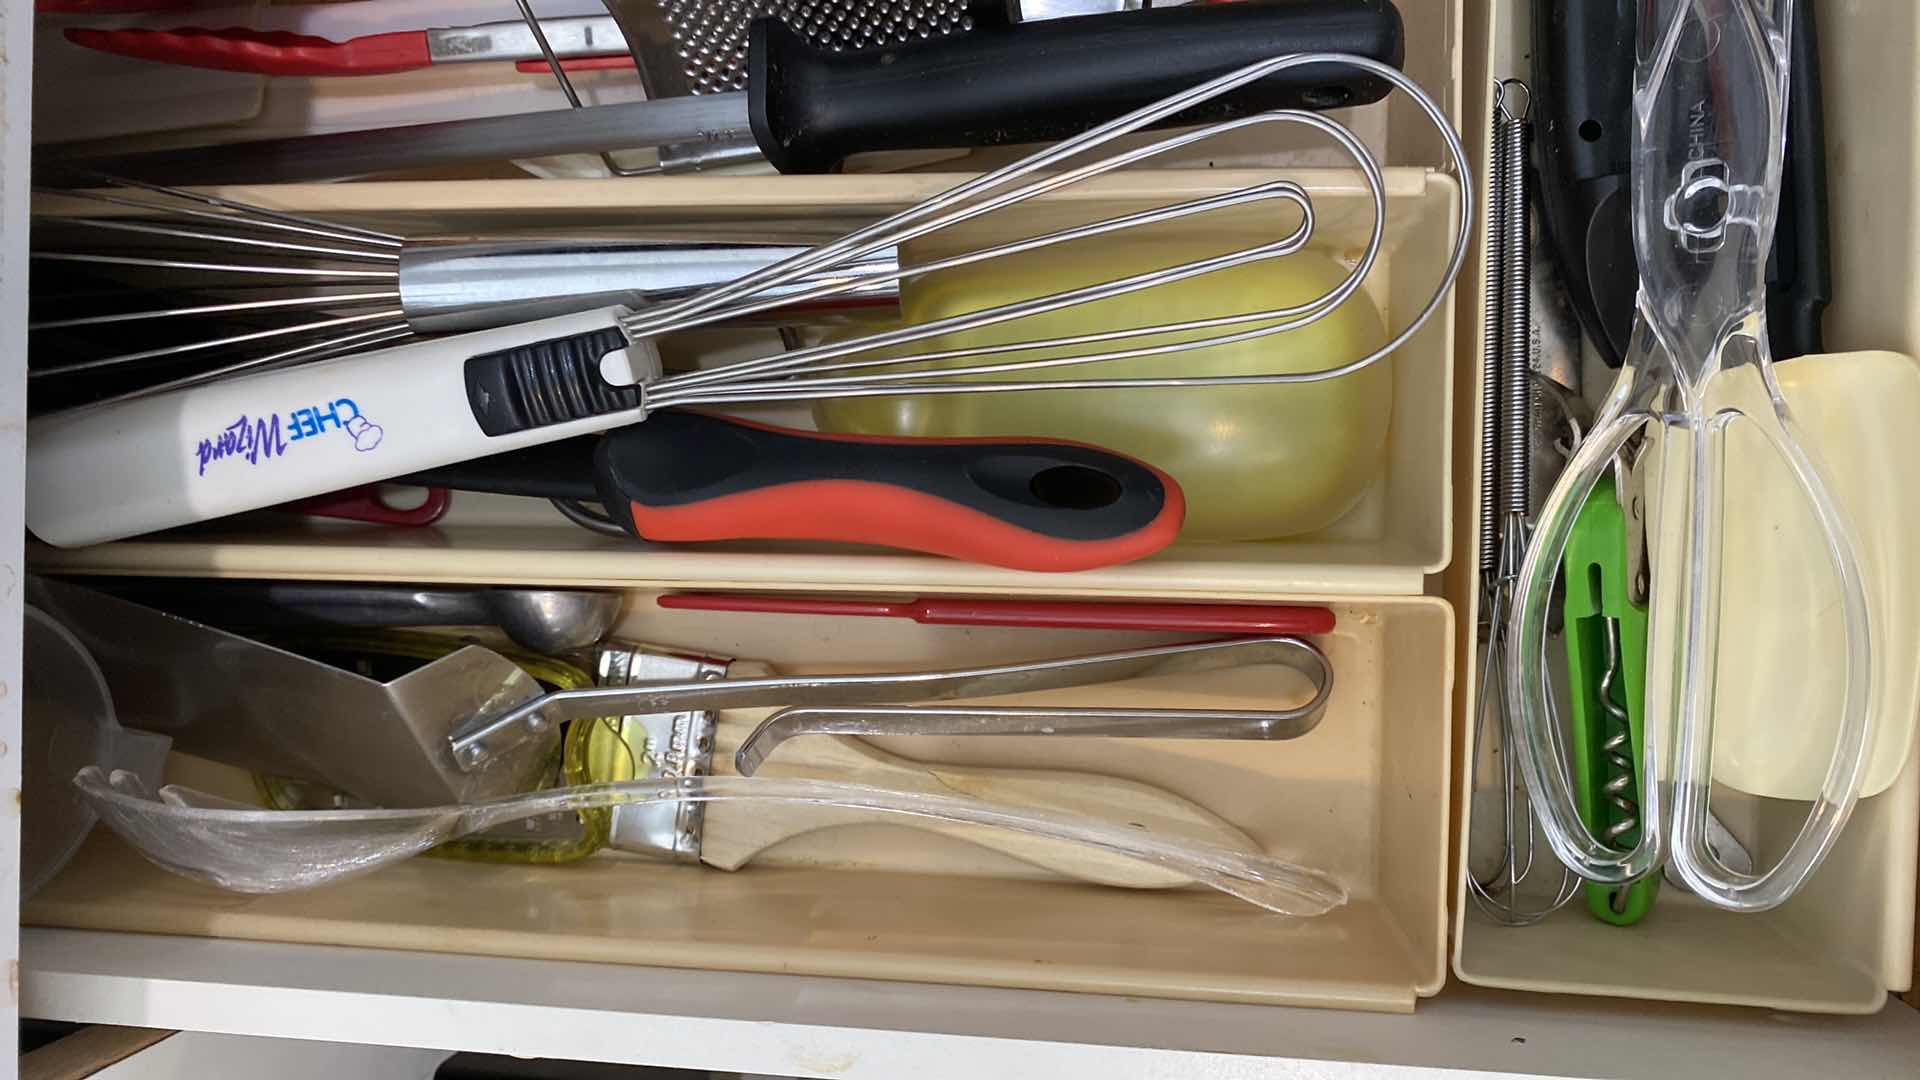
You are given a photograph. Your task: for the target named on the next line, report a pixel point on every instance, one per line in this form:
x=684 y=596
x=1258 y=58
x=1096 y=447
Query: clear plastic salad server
x=248 y=849
x=1709 y=132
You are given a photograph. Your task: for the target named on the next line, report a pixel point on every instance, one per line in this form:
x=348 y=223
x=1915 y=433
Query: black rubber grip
x=1049 y=80
x=546 y=382
x=555 y=470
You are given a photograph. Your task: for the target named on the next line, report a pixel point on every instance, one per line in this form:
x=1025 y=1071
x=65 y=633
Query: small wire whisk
x=1505 y=511
x=498 y=390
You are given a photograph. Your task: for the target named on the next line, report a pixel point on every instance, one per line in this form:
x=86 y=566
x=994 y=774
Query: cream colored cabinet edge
x=16 y=90
x=850 y=1029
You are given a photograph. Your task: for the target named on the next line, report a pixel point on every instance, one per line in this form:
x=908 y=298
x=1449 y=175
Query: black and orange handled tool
x=1026 y=504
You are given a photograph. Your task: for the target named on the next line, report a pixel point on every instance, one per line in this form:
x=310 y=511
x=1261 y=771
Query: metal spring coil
x=1489 y=520
x=1512 y=132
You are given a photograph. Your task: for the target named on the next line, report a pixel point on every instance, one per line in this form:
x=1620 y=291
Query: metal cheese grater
x=710 y=36
x=685 y=48
x=690 y=47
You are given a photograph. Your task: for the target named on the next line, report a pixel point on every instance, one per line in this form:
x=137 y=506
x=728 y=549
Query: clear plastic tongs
x=1710 y=100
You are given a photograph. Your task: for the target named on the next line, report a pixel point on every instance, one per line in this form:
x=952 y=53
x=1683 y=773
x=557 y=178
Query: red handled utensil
x=1025 y=504
x=1055 y=614
x=368 y=503
x=282 y=52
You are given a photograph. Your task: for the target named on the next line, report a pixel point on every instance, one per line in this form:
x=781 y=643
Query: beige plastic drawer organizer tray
x=1847 y=937
x=1365 y=797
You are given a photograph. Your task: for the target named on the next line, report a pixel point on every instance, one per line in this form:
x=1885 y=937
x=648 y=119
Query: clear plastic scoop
x=1709 y=131
x=247 y=849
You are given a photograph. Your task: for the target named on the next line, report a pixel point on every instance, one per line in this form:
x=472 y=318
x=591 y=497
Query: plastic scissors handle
x=1541 y=748
x=1746 y=395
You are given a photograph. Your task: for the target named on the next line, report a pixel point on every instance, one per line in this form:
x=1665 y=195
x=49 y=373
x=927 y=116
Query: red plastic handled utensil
x=280 y=52
x=1056 y=614
x=679 y=476
x=1024 y=504
x=115 y=7
x=263 y=52
x=368 y=503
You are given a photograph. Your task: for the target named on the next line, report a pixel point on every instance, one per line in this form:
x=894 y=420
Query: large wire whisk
x=814 y=372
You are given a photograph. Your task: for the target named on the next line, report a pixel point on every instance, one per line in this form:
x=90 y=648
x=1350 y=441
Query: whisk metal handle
x=1514 y=436
x=448 y=288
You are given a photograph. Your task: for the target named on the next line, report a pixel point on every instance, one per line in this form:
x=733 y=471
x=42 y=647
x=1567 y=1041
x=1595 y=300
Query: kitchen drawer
x=1363 y=797
x=1366 y=795
x=1848 y=937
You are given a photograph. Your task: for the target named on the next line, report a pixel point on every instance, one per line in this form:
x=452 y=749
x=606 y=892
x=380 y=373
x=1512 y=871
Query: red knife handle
x=1052 y=614
x=1023 y=504
x=1171 y=618
x=263 y=52
x=114 y=7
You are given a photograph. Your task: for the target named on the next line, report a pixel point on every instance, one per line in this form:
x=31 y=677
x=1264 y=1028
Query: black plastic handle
x=1582 y=111
x=1048 y=80
x=1800 y=264
x=1021 y=503
x=555 y=470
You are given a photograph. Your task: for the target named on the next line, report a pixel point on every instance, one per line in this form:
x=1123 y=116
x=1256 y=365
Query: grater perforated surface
x=710 y=36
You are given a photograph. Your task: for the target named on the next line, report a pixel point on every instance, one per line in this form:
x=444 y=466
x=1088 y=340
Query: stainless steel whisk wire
x=385 y=324
x=1505 y=511
x=784 y=376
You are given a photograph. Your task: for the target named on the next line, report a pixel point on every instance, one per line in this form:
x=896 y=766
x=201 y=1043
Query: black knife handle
x=1049 y=80
x=1582 y=113
x=1800 y=264
x=1582 y=104
x=555 y=470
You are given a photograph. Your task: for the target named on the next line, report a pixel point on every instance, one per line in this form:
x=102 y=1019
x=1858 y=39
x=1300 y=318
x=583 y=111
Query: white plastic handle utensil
x=252 y=850
x=129 y=467
x=1710 y=109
